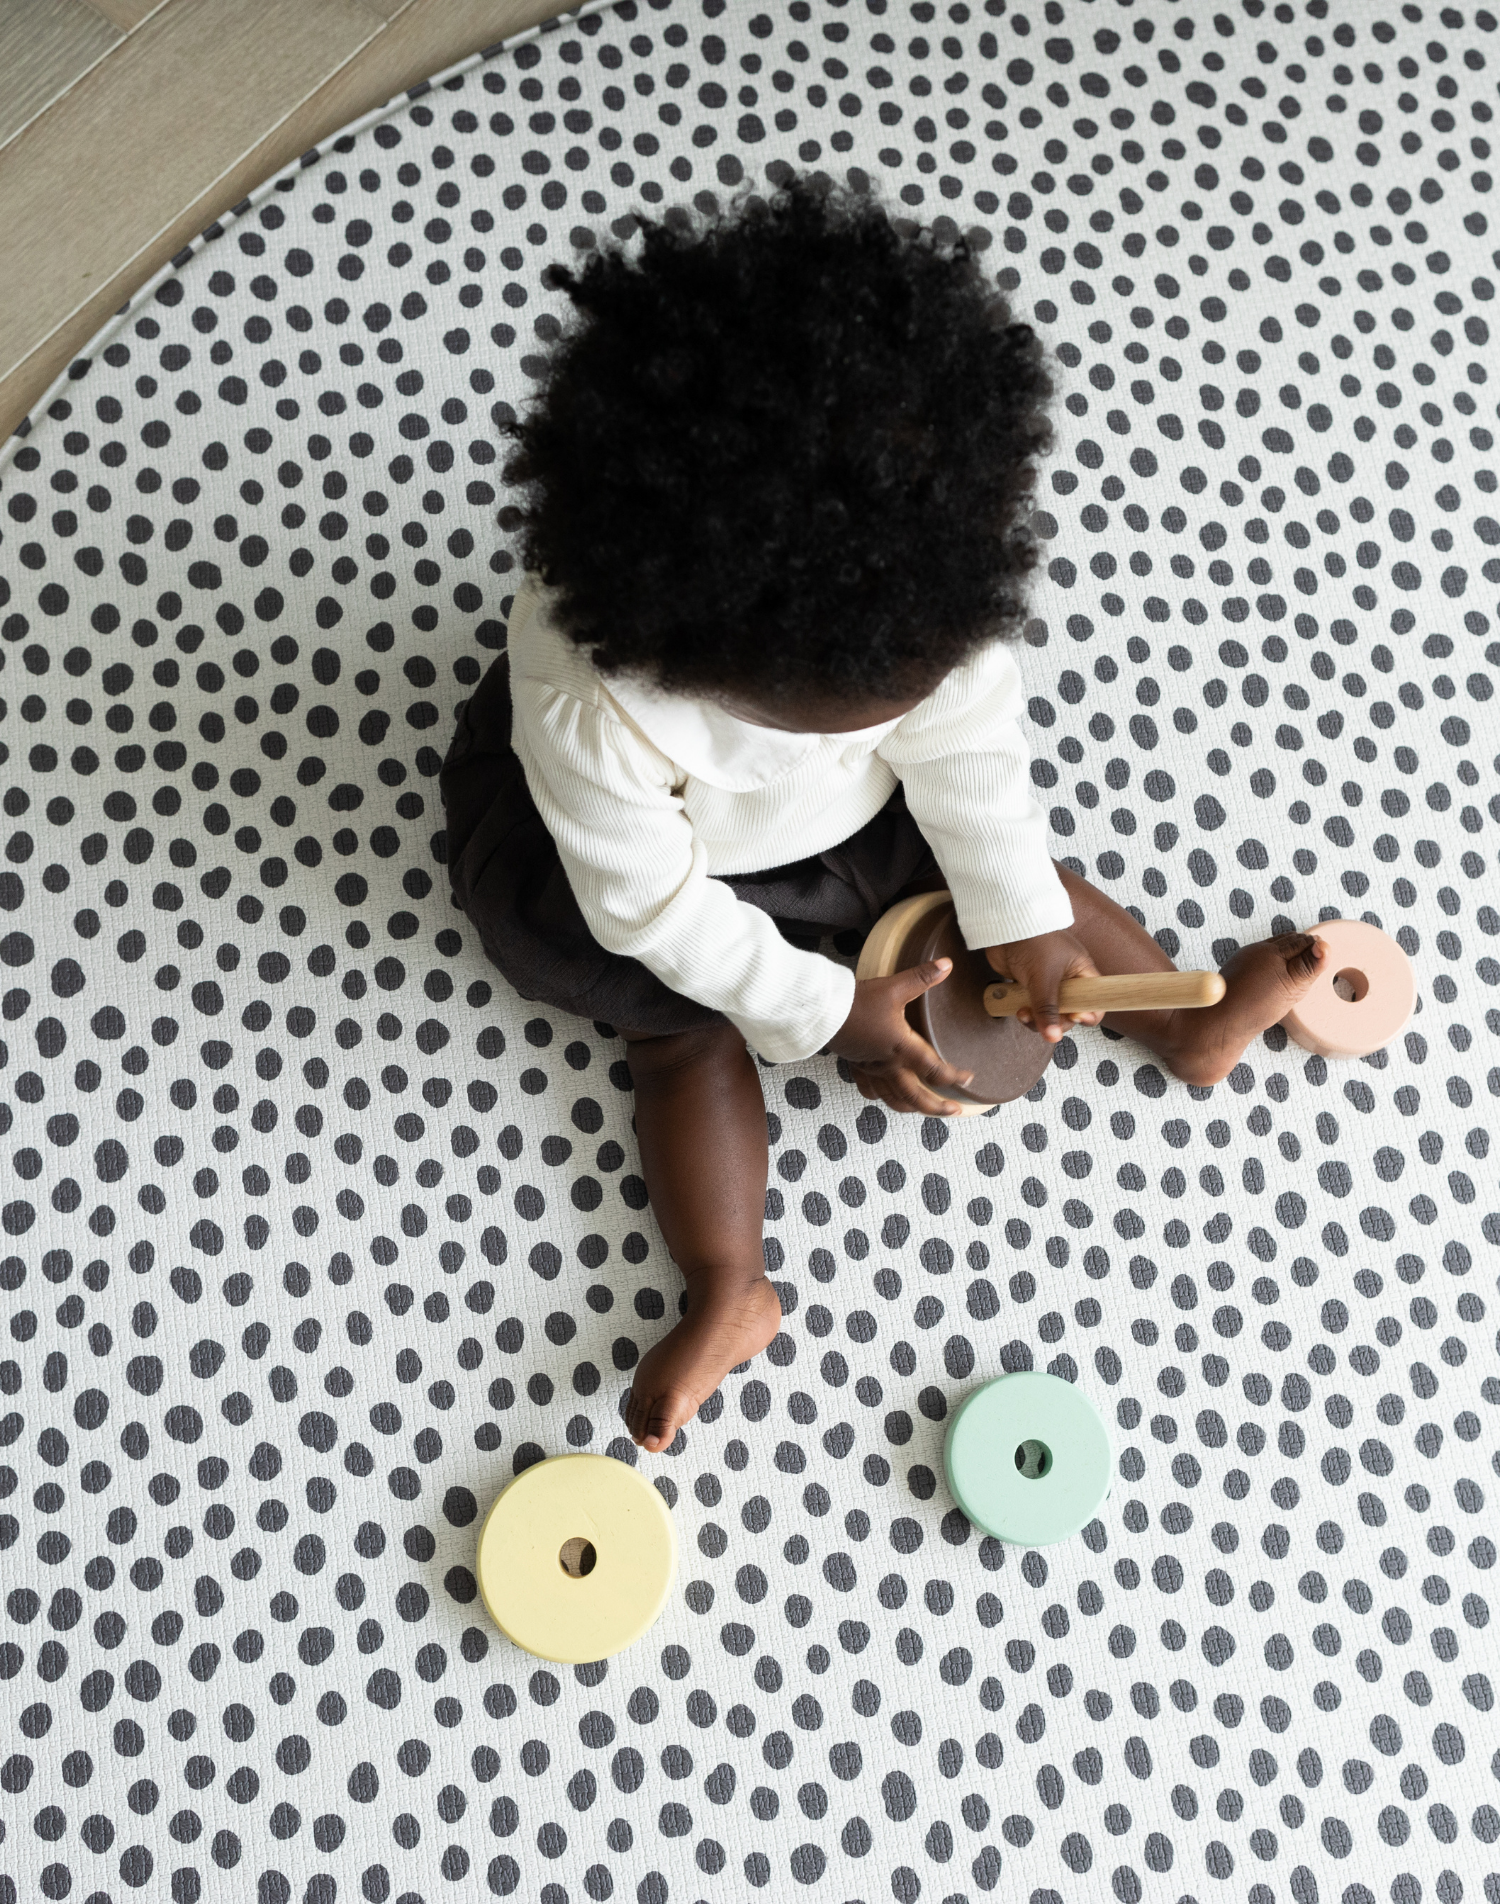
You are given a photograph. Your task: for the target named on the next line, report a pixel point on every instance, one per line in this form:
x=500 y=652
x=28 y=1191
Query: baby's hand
x=1041 y=964
x=889 y=1059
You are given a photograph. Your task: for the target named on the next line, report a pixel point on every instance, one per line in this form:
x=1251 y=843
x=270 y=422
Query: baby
x=757 y=688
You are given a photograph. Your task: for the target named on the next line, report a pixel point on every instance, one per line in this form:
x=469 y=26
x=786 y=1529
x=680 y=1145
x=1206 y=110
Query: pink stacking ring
x=1362 y=997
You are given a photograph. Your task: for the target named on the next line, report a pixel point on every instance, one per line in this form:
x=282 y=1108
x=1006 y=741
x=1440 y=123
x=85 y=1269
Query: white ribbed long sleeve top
x=647 y=794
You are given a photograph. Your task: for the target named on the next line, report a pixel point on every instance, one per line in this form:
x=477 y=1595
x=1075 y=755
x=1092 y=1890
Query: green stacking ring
x=1027 y=1459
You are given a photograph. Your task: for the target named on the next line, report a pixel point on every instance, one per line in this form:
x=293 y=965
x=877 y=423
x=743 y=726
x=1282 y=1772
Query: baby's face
x=820 y=714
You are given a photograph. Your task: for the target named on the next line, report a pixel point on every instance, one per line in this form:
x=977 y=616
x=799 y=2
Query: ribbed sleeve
x=964 y=764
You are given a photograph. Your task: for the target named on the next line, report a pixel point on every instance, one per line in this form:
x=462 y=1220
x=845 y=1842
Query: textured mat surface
x=314 y=1233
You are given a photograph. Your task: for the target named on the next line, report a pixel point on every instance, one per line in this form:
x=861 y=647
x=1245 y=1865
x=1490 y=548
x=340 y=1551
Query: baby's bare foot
x=1262 y=984
x=728 y=1320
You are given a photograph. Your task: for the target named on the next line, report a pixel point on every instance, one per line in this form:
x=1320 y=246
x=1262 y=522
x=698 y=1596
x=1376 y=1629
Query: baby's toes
x=1302 y=954
x=661 y=1418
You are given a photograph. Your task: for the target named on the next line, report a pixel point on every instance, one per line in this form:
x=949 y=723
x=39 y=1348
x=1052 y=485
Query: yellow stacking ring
x=576 y=1558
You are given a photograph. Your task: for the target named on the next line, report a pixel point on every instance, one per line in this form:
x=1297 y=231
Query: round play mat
x=315 y=1234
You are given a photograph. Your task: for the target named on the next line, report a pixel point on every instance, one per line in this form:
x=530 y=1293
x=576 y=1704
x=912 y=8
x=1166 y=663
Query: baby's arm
x=641 y=880
x=965 y=766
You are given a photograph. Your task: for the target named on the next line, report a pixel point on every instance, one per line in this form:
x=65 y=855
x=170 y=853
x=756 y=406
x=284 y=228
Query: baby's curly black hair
x=788 y=452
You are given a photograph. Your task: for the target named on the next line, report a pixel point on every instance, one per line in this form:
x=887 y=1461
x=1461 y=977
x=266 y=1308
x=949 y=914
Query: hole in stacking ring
x=577 y=1557
x=1350 y=985
x=1034 y=1459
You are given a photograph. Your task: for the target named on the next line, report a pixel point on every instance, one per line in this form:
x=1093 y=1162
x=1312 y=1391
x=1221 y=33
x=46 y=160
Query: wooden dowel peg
x=1123 y=991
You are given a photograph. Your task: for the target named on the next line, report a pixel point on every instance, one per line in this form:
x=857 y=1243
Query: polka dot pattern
x=314 y=1233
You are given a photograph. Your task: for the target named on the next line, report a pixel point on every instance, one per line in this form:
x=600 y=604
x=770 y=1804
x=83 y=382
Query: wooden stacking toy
x=576 y=1558
x=1364 y=995
x=1027 y=1459
x=970 y=1019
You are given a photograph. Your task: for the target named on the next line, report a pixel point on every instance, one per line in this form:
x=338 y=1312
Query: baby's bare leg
x=700 y=1119
x=1263 y=982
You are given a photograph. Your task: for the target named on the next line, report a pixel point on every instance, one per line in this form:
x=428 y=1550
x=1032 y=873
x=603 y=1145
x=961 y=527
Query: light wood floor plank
x=125 y=14
x=99 y=198
x=182 y=98
x=44 y=46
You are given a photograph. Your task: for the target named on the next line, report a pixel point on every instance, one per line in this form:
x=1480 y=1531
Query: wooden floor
x=128 y=126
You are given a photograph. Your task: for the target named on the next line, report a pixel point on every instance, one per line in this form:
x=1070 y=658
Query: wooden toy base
x=1006 y=1057
x=969 y=1019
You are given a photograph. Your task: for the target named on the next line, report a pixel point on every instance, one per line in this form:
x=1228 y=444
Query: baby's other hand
x=890 y=1061
x=1041 y=964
